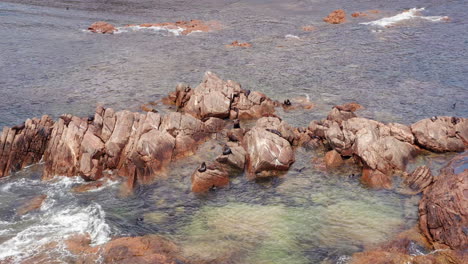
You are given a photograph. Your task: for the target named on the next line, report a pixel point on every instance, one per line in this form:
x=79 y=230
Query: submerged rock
x=34 y=204
x=336 y=17
x=443 y=209
x=240 y=44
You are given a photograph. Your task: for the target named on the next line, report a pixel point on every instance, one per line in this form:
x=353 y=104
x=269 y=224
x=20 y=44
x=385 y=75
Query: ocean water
x=412 y=68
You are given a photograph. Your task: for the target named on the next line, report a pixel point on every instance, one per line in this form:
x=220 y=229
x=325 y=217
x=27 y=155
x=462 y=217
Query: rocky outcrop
x=269 y=148
x=441 y=134
x=443 y=209
x=336 y=17
x=138 y=146
x=380 y=148
x=102 y=27
x=24 y=144
x=223 y=99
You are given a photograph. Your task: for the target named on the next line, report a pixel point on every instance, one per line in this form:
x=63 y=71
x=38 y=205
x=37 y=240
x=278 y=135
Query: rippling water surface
x=50 y=65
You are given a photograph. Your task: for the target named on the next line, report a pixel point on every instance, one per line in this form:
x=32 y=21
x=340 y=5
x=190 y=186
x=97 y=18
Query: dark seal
x=202 y=167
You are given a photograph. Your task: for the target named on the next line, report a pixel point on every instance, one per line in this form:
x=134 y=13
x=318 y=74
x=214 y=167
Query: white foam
x=289 y=36
x=406 y=15
x=176 y=31
x=56 y=227
x=55 y=222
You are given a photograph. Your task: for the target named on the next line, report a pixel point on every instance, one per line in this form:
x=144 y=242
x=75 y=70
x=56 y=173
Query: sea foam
x=413 y=13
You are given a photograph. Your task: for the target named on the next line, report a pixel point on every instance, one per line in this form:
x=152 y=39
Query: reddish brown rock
x=102 y=27
x=240 y=44
x=419 y=179
x=268 y=147
x=34 y=204
x=443 y=209
x=144 y=249
x=228 y=163
x=376 y=179
x=203 y=179
x=24 y=145
x=408 y=247
x=441 y=134
x=333 y=159
x=336 y=17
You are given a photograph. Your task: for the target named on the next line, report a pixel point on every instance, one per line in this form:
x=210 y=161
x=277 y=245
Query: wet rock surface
x=443 y=209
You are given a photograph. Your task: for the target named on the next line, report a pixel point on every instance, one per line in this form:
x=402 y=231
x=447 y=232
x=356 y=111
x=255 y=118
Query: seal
x=226 y=150
x=19 y=127
x=287 y=102
x=434 y=118
x=236 y=123
x=202 y=167
x=247 y=93
x=90 y=118
x=274 y=131
x=233 y=138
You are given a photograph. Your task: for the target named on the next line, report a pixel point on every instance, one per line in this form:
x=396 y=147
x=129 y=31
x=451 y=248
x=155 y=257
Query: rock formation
x=102 y=27
x=269 y=147
x=240 y=44
x=223 y=99
x=441 y=134
x=443 y=209
x=24 y=144
x=336 y=17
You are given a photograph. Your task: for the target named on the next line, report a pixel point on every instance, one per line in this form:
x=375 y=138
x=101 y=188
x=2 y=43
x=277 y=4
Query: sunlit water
x=48 y=64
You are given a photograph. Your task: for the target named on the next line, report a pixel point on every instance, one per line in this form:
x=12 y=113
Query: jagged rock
x=419 y=179
x=23 y=145
x=268 y=148
x=441 y=134
x=336 y=17
x=102 y=27
x=443 y=209
x=223 y=99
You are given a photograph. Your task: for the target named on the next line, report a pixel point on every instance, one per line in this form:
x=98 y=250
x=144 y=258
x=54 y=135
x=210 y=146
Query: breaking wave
x=413 y=13
x=59 y=217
